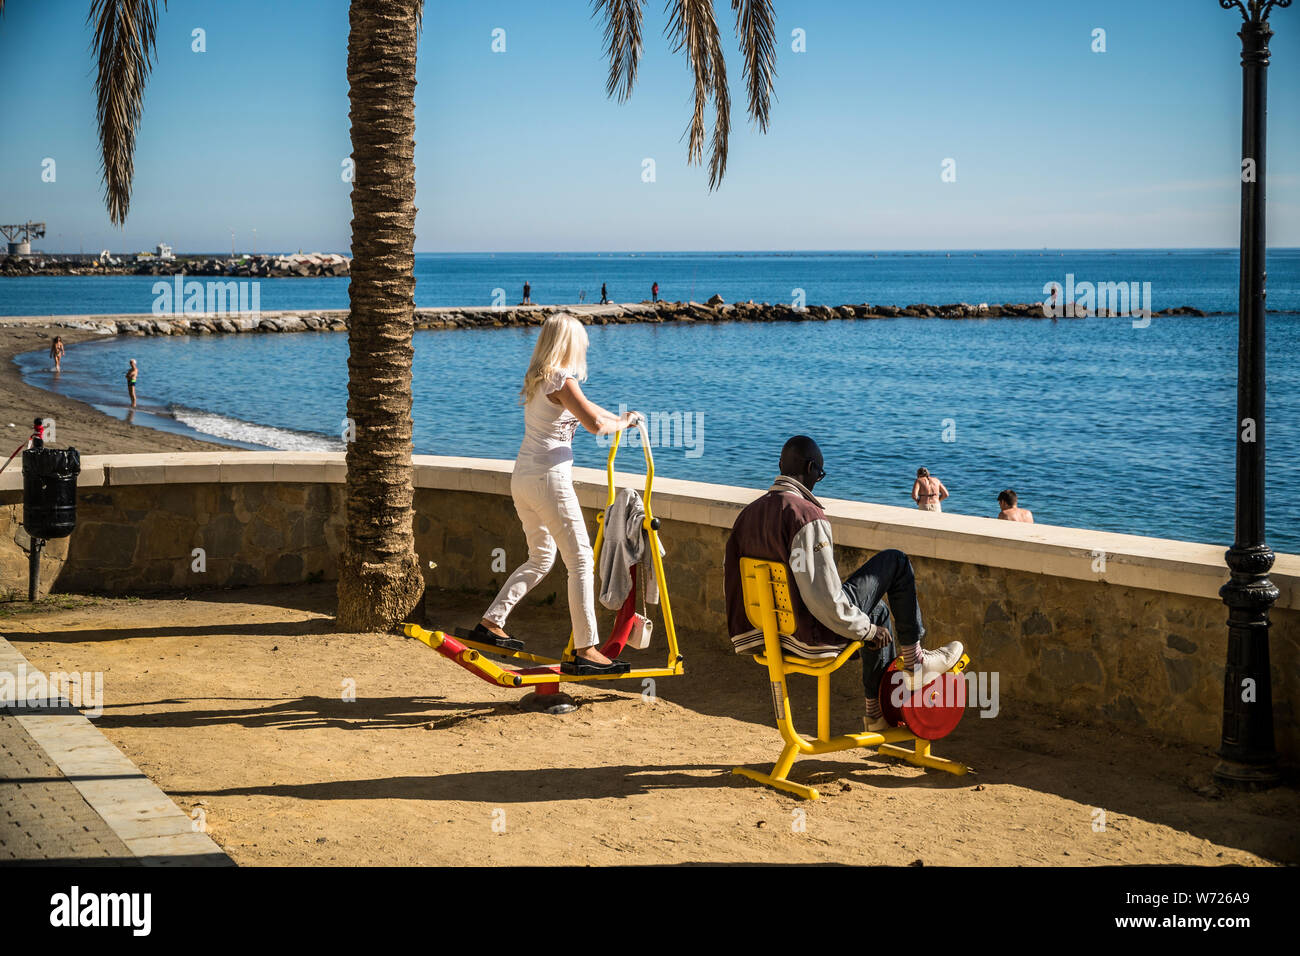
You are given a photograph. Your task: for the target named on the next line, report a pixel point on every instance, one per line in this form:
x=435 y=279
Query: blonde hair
x=561 y=346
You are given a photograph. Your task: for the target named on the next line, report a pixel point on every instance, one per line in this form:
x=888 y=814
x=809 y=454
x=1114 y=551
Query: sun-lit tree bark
x=379 y=575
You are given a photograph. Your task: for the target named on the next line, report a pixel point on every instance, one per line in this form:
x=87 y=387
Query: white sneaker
x=875 y=725
x=932 y=663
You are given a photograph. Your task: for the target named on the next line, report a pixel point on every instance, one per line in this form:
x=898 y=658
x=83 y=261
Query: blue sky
x=1055 y=145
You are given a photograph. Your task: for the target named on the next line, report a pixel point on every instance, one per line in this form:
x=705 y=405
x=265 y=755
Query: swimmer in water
x=1011 y=510
x=928 y=491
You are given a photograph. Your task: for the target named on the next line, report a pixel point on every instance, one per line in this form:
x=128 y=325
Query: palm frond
x=622 y=44
x=693 y=28
x=124 y=45
x=756 y=27
x=721 y=118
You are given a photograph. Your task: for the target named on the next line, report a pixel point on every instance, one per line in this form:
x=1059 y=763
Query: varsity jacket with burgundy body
x=789 y=525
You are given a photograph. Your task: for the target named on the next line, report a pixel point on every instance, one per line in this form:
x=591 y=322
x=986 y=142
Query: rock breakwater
x=531 y=315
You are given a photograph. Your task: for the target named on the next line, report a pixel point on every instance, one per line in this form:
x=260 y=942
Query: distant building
x=164 y=251
x=20 y=236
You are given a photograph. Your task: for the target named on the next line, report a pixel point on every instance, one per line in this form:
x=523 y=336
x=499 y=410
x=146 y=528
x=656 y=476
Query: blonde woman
x=542 y=488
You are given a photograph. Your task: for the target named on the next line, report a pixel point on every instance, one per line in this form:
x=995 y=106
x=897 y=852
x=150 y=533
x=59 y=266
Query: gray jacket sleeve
x=812 y=562
x=625 y=545
x=615 y=559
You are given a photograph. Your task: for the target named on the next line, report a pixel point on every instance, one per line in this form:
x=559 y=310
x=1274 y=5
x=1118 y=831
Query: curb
x=153 y=828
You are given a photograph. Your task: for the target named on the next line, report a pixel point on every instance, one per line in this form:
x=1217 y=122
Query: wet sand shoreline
x=78 y=424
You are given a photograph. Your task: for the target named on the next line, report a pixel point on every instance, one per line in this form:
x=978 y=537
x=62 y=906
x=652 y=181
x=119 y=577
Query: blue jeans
x=887 y=573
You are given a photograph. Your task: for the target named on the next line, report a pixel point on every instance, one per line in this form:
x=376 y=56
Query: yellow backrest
x=780 y=586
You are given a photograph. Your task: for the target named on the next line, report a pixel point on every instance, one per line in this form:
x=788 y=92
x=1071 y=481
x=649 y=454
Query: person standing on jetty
x=132 y=374
x=542 y=488
x=604 y=296
x=654 y=292
x=528 y=290
x=56 y=353
x=1010 y=510
x=928 y=491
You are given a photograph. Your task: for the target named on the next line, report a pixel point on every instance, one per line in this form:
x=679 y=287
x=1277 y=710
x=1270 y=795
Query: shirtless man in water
x=132 y=374
x=1010 y=512
x=928 y=491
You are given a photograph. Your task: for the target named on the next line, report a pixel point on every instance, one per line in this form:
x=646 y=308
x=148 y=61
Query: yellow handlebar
x=649 y=467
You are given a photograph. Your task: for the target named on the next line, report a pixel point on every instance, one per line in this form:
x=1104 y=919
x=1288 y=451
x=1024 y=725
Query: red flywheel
x=932 y=713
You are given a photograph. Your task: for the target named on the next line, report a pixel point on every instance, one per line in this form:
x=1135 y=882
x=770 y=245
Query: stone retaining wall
x=1139 y=644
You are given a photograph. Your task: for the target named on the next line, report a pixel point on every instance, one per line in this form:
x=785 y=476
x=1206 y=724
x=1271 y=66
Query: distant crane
x=20 y=236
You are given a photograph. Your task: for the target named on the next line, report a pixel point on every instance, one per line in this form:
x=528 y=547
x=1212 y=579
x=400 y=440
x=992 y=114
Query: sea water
x=1095 y=423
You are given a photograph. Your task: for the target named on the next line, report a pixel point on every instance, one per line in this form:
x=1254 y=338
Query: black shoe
x=580 y=665
x=482 y=635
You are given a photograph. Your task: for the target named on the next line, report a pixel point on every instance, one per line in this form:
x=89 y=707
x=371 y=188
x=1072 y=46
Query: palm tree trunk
x=379 y=574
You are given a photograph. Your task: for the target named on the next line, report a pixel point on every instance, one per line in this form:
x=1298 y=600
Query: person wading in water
x=928 y=491
x=56 y=353
x=132 y=374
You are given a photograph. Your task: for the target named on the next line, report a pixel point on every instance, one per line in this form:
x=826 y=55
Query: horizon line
x=711 y=252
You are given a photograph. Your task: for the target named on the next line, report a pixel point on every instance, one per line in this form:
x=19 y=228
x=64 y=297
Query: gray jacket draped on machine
x=626 y=543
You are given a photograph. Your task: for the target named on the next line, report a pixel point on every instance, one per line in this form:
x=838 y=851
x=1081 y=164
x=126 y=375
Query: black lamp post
x=1248 y=755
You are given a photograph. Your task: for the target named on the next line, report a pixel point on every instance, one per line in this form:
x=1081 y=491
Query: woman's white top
x=548 y=430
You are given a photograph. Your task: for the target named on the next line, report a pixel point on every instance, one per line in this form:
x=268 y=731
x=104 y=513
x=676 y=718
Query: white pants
x=548 y=508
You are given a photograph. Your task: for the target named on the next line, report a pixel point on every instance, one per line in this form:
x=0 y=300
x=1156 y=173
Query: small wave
x=233 y=429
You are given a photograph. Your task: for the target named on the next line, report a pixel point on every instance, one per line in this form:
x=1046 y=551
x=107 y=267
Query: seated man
x=788 y=525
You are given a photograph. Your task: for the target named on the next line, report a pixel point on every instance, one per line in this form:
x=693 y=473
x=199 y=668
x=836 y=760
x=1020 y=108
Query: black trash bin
x=49 y=500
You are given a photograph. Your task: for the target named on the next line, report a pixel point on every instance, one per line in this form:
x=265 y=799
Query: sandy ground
x=232 y=703
x=90 y=431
